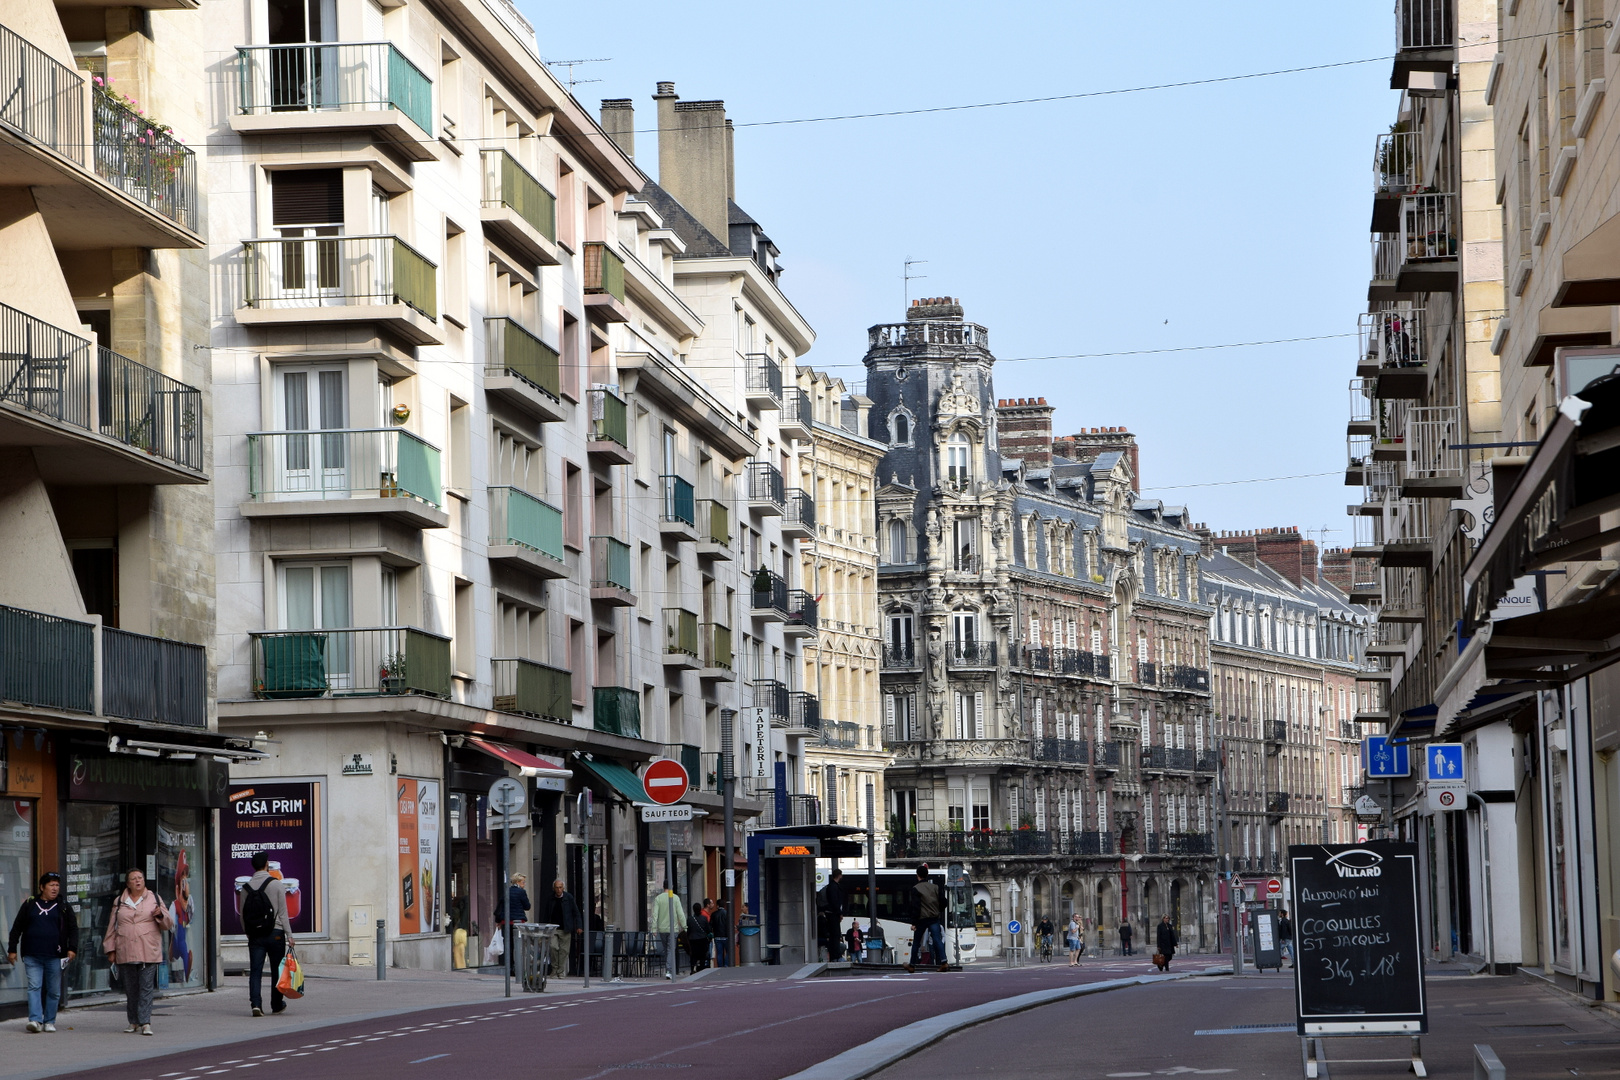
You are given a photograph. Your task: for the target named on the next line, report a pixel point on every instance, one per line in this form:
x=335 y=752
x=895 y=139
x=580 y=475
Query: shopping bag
x=495 y=949
x=290 y=982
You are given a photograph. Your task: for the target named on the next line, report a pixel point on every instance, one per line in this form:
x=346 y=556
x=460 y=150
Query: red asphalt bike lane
x=746 y=1030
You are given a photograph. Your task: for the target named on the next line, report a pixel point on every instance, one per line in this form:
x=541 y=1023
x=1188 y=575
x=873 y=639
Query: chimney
x=694 y=158
x=1307 y=563
x=619 y=121
x=1024 y=429
x=1336 y=568
x=1087 y=445
x=1284 y=550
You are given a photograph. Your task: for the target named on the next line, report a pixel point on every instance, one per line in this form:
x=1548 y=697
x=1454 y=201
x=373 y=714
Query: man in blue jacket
x=46 y=933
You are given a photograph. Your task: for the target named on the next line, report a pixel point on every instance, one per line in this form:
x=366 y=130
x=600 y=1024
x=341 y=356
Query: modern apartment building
x=1045 y=650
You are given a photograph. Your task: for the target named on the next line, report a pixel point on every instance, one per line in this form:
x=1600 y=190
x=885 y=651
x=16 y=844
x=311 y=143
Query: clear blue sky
x=1206 y=215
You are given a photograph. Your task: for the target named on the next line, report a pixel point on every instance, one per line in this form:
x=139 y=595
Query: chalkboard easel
x=1358 y=968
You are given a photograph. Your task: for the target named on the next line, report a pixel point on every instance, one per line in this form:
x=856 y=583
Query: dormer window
x=900 y=428
x=957 y=455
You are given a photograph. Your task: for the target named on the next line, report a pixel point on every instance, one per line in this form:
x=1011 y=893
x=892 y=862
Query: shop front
x=27 y=832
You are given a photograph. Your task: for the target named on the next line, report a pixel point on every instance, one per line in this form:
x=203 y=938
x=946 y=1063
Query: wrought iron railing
x=333 y=77
x=799 y=509
x=338 y=271
x=1107 y=755
x=359 y=463
x=146 y=409
x=604 y=270
x=141 y=158
x=1051 y=748
x=804 y=710
x=350 y=661
x=690 y=757
x=509 y=184
x=40 y=97
x=1093 y=843
x=840 y=733
x=971 y=843
x=796 y=407
x=769 y=591
x=617 y=711
x=516 y=517
x=47 y=661
x=1147 y=673
x=1276 y=731
x=964 y=653
x=772 y=695
x=801 y=810
x=512 y=350
x=764 y=375
x=802 y=609
x=765 y=483
x=1184 y=677
x=1277 y=802
x=533 y=689
x=153 y=679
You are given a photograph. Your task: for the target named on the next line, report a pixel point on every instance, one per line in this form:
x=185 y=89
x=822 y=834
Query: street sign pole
x=669 y=870
x=506 y=795
x=665 y=782
x=728 y=871
x=871 y=861
x=582 y=815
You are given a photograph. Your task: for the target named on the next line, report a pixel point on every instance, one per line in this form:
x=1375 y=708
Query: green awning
x=618 y=778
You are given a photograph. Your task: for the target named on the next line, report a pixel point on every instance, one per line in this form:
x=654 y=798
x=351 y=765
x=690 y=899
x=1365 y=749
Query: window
x=897 y=541
x=957 y=455
x=1039 y=724
x=981 y=805
x=900 y=428
x=964 y=628
x=520 y=631
x=465 y=642
x=901 y=642
x=318 y=597
x=573 y=506
x=311 y=399
x=899 y=717
x=460 y=446
x=965 y=543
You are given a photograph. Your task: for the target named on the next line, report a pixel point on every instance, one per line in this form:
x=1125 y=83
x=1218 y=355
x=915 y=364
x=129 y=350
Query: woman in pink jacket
x=134 y=942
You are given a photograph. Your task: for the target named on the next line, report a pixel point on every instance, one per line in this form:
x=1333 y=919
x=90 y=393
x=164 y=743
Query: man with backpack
x=262 y=903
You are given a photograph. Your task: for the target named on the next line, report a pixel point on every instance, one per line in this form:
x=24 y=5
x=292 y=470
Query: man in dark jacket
x=832 y=915
x=1285 y=934
x=1166 y=942
x=927 y=905
x=1125 y=937
x=46 y=933
x=563 y=912
x=720 y=927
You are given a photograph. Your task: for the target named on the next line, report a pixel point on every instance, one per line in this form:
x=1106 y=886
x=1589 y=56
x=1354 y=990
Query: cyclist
x=1045 y=930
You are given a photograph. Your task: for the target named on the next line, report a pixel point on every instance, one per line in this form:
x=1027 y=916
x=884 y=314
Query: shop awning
x=1592 y=268
x=618 y=778
x=528 y=764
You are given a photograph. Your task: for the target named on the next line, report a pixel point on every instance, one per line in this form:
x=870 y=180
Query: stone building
x=1045 y=669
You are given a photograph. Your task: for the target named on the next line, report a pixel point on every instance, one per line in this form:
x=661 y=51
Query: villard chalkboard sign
x=1359 y=969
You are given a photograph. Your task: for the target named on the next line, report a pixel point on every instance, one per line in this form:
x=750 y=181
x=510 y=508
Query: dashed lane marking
x=435 y=1057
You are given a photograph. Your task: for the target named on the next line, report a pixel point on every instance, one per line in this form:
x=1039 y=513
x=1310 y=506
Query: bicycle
x=1046 y=948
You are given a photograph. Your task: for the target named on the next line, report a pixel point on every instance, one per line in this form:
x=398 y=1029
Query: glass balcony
x=325 y=279
x=533 y=689
x=517 y=207
x=350 y=662
x=518 y=519
x=331 y=471
x=513 y=353
x=617 y=711
x=335 y=86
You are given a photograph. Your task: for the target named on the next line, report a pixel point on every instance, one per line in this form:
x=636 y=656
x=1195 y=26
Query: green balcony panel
x=515 y=351
x=516 y=517
x=610 y=417
x=604 y=270
x=509 y=184
x=617 y=711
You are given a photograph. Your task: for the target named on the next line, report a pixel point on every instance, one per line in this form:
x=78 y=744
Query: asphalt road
x=748 y=1030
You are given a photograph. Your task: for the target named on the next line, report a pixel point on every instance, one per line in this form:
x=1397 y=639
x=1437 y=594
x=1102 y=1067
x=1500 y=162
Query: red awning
x=528 y=764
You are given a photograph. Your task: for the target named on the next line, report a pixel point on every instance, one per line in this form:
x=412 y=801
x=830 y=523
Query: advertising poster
x=418 y=855
x=283 y=821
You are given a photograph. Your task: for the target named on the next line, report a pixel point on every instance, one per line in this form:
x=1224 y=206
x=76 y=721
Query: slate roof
x=700 y=242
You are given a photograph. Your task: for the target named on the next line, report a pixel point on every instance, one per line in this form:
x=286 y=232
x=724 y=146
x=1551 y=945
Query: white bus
x=894 y=912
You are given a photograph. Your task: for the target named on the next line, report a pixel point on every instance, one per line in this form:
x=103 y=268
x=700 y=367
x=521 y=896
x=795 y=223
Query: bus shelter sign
x=1360 y=968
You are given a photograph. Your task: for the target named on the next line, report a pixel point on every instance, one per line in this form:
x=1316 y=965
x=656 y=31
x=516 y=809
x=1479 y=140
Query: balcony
x=1277 y=803
x=799 y=514
x=839 y=735
x=714 y=530
x=1409 y=536
x=797 y=415
x=604 y=283
x=677 y=517
x=341 y=281
x=1168 y=758
x=1064 y=751
x=1108 y=757
x=1073 y=662
x=968 y=655
x=1393 y=351
x=710 y=778
x=152 y=680
x=93 y=415
x=1187 y=844
x=1147 y=673
x=965 y=561
x=533 y=689
x=334 y=88
x=1386 y=267
x=1182 y=677
x=804 y=712
x=388 y=660
x=517 y=211
x=1426 y=46
x=802 y=810
x=522 y=370
x=616 y=710
x=772 y=696
x=1275 y=734
x=1428 y=244
x=1434 y=465
x=609 y=440
x=1398 y=171
x=901 y=657
x=141 y=157
x=1208 y=764
x=526 y=533
x=1363 y=418
x=763 y=381
x=611 y=582
x=766 y=492
x=681 y=639
x=1093 y=843
x=386 y=471
x=691 y=759
x=801 y=618
x=768 y=596
x=718 y=660
x=972 y=844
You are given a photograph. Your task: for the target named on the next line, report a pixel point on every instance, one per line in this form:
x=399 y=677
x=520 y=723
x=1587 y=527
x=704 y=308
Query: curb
x=862 y=1061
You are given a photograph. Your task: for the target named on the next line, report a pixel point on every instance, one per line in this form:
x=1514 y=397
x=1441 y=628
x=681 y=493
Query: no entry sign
x=1273 y=887
x=665 y=781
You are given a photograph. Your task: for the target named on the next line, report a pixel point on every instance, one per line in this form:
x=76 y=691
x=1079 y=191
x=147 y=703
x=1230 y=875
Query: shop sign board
x=97 y=776
x=683 y=812
x=418 y=802
x=759 y=730
x=283 y=820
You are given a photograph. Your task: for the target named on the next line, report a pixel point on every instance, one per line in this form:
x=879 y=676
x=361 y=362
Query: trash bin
x=532 y=944
x=748 y=941
x=876 y=947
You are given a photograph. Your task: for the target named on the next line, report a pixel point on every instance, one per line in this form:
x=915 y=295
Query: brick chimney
x=1284 y=550
x=1336 y=568
x=619 y=122
x=694 y=157
x=1024 y=428
x=935 y=307
x=1088 y=444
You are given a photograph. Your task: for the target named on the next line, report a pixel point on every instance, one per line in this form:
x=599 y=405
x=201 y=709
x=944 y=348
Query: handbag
x=290 y=983
x=1159 y=960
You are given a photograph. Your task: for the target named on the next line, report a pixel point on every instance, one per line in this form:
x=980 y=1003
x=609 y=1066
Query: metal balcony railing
x=801 y=609
x=1380 y=479
x=971 y=843
x=1423 y=24
x=617 y=711
x=769 y=591
x=964 y=653
x=690 y=757
x=509 y=184
x=801 y=810
x=764 y=375
x=610 y=417
x=1187 y=844
x=1208 y=762
x=772 y=695
x=143 y=159
x=358 y=463
x=1108 y=755
x=350 y=661
x=1392 y=339
x=1277 y=802
x=1036 y=657
x=60 y=376
x=1069 y=751
x=900 y=657
x=711 y=772
x=680 y=500
x=804 y=710
x=516 y=517
x=333 y=77
x=716 y=646
x=1386 y=255
x=799 y=508
x=338 y=271
x=1093 y=843
x=1361 y=400
x=43 y=99
x=153 y=680
x=1072 y=662
x=1432 y=437
x=765 y=484
x=1147 y=673
x=797 y=407
x=46 y=661
x=1397 y=163
x=1413 y=523
x=610 y=564
x=1429 y=227
x=533 y=689
x=841 y=734
x=604 y=271
x=681 y=632
x=714 y=522
x=1276 y=731
x=965 y=562
x=1366 y=531
x=512 y=350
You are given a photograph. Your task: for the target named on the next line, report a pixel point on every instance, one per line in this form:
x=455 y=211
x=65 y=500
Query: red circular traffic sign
x=1273 y=886
x=665 y=781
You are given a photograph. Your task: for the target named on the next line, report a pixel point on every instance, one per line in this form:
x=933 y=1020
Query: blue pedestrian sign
x=1014 y=927
x=1384 y=759
x=1443 y=762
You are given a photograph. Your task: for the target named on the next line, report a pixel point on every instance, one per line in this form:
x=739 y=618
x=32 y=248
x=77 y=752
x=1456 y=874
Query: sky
x=1165 y=219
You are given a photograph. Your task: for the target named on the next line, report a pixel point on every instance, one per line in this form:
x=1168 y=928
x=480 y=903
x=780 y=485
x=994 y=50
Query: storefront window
x=180 y=884
x=90 y=858
x=17 y=877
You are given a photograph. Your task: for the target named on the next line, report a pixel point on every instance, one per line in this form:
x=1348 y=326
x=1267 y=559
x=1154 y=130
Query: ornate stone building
x=1045 y=658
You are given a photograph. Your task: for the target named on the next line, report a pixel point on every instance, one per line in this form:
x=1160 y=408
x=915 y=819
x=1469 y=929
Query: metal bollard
x=1487 y=1066
x=382 y=949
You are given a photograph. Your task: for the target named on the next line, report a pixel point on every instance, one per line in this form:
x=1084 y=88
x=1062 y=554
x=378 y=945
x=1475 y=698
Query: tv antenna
x=571 y=64
x=910 y=277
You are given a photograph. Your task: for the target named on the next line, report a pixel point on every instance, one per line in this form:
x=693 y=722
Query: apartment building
x=844 y=762
x=1426 y=422
x=1532 y=695
x=109 y=751
x=1045 y=662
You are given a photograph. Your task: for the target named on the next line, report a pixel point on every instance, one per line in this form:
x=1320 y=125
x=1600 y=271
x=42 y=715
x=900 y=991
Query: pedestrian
x=1125 y=936
x=927 y=903
x=46 y=933
x=697 y=938
x=562 y=911
x=1166 y=942
x=668 y=919
x=720 y=927
x=1285 y=933
x=262 y=903
x=1076 y=942
x=516 y=901
x=853 y=939
x=134 y=941
x=832 y=915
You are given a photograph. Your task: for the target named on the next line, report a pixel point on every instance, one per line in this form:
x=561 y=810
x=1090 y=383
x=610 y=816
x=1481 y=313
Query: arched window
x=897 y=541
x=958 y=453
x=900 y=428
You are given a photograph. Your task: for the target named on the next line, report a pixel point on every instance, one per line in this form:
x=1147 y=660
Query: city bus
x=894 y=912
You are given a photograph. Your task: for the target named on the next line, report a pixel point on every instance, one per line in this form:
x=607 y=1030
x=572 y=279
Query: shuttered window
x=306 y=197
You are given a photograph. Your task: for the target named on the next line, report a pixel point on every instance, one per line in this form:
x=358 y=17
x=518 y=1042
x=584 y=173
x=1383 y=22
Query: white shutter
x=1102 y=730
x=1063 y=816
x=1057 y=633
x=1074 y=636
x=1203 y=814
x=1062 y=726
x=1040 y=724
x=1035 y=631
x=959 y=731
x=978 y=714
x=889 y=732
x=1181 y=736
x=1198 y=736
x=1147 y=727
x=912 y=729
x=1012 y=805
x=1147 y=814
x=1102 y=811
x=1040 y=808
x=1096 y=640
x=1183 y=812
